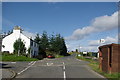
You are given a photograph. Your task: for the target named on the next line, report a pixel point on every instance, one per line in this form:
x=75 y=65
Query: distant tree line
x=54 y=44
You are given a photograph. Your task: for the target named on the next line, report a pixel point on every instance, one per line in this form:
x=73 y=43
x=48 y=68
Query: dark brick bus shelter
x=109 y=58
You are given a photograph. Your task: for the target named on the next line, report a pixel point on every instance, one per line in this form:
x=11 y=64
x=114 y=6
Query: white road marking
x=49 y=64
x=27 y=67
x=64 y=67
x=63 y=63
x=64 y=75
x=13 y=62
x=30 y=63
x=64 y=71
x=79 y=60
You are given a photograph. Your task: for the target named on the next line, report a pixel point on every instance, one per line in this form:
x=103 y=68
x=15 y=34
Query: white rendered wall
x=9 y=40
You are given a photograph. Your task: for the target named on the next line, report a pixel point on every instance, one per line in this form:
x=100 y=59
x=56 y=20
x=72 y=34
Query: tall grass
x=95 y=66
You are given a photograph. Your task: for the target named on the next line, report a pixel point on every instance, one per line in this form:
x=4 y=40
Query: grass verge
x=95 y=66
x=13 y=57
x=59 y=56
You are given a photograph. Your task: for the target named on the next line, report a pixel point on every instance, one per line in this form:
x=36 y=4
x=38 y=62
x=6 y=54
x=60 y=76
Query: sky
x=82 y=24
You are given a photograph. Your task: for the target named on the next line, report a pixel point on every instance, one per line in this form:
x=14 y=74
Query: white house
x=9 y=40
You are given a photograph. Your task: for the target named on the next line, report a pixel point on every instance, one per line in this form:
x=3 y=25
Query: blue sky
x=67 y=18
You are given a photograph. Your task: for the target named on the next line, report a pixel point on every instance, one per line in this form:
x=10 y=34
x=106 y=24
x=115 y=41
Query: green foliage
x=76 y=50
x=19 y=46
x=54 y=44
x=58 y=56
x=44 y=41
x=42 y=47
x=29 y=50
x=14 y=57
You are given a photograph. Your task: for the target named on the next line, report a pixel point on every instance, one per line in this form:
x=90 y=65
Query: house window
x=34 y=44
x=34 y=52
x=31 y=43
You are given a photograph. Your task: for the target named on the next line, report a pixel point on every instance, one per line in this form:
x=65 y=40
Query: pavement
x=6 y=73
x=10 y=69
x=60 y=68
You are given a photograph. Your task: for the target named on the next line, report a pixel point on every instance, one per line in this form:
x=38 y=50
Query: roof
x=109 y=45
x=29 y=35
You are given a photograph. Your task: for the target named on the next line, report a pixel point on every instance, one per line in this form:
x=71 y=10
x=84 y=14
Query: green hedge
x=14 y=57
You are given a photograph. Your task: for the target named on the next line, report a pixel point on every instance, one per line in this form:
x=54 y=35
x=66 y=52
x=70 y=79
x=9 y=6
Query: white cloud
x=89 y=48
x=99 y=24
x=108 y=40
x=72 y=47
x=92 y=44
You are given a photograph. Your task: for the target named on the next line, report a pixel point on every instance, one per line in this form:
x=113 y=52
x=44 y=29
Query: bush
x=6 y=52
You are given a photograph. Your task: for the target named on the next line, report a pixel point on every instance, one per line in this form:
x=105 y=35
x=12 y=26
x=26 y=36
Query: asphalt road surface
x=60 y=68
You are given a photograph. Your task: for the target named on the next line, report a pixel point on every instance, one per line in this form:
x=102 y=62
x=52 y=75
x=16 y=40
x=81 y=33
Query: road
x=62 y=68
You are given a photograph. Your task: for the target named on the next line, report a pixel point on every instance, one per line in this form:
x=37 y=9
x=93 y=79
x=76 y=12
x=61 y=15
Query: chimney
x=17 y=29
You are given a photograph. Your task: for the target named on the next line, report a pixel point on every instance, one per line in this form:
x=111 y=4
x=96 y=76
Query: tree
x=37 y=38
x=9 y=32
x=44 y=41
x=55 y=44
x=63 y=47
x=76 y=50
x=41 y=52
x=19 y=47
x=52 y=44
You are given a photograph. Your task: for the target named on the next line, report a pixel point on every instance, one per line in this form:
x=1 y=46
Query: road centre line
x=64 y=71
x=64 y=75
x=27 y=68
x=63 y=63
x=64 y=67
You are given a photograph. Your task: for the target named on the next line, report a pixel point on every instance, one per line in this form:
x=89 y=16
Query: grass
x=59 y=56
x=13 y=57
x=95 y=66
x=83 y=58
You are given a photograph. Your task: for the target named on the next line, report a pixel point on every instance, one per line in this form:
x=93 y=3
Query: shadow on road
x=5 y=66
